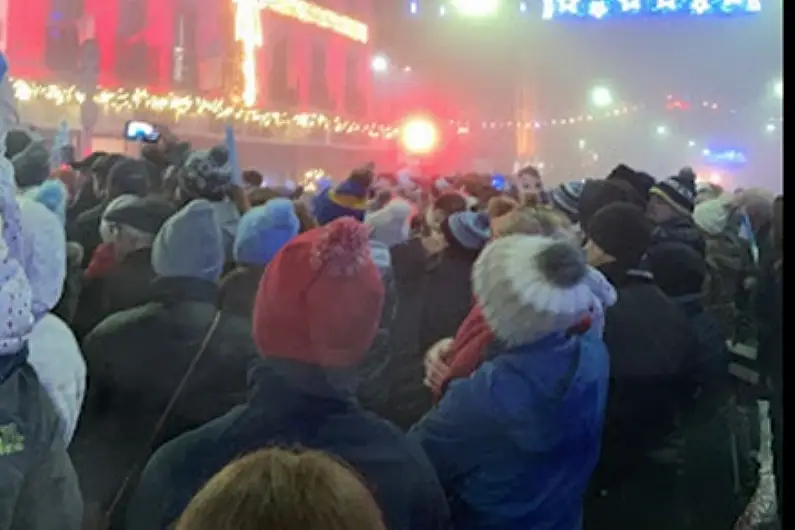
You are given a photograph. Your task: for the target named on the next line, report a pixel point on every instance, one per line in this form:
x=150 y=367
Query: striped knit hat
x=566 y=197
x=678 y=191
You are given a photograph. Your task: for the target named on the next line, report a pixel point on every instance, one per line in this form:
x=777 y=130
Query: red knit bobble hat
x=319 y=301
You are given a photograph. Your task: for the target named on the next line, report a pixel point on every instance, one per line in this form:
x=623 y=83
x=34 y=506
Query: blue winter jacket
x=514 y=445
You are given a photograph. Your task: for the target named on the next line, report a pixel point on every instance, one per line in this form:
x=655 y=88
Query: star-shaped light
x=598 y=9
x=699 y=7
x=630 y=5
x=549 y=10
x=669 y=5
x=569 y=6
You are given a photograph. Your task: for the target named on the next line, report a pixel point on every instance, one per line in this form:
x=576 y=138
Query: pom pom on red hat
x=342 y=248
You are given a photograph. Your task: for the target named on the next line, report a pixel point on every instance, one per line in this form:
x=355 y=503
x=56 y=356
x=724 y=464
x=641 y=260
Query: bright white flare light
x=601 y=97
x=778 y=89
x=476 y=8
x=419 y=136
x=380 y=64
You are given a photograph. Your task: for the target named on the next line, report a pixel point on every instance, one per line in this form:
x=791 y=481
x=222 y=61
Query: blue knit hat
x=190 y=244
x=469 y=229
x=566 y=197
x=349 y=199
x=53 y=195
x=264 y=230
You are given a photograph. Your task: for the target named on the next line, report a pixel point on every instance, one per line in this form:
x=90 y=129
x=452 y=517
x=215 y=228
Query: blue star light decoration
x=601 y=9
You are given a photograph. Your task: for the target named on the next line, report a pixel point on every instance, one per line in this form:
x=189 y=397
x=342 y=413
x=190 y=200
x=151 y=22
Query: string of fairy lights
x=176 y=106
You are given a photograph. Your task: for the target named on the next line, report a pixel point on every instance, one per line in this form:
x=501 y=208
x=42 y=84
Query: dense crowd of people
x=186 y=348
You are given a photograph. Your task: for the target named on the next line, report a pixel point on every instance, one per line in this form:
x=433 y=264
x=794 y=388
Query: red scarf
x=469 y=344
x=102 y=260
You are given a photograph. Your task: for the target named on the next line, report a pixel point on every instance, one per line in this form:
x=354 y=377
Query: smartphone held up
x=141 y=131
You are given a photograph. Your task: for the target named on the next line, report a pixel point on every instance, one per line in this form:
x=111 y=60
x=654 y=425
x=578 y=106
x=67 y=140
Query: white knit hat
x=711 y=215
x=531 y=286
x=390 y=224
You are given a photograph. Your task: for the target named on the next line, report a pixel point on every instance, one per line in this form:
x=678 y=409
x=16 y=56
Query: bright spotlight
x=380 y=64
x=419 y=136
x=662 y=130
x=476 y=8
x=601 y=97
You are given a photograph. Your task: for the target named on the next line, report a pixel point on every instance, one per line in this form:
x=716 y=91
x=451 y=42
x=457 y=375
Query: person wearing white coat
x=54 y=352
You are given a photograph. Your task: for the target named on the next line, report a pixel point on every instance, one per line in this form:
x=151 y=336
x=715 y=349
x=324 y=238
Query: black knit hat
x=678 y=191
x=640 y=182
x=678 y=269
x=128 y=176
x=16 y=142
x=147 y=214
x=621 y=230
x=596 y=194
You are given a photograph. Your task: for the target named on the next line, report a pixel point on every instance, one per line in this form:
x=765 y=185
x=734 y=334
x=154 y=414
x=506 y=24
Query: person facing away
x=129 y=226
x=514 y=444
x=207 y=174
x=680 y=273
x=137 y=358
x=53 y=349
x=303 y=390
x=38 y=486
x=262 y=231
x=285 y=489
x=433 y=302
x=648 y=338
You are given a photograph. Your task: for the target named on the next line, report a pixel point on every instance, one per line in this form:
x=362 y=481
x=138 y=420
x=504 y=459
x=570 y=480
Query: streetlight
x=380 y=64
x=662 y=130
x=601 y=97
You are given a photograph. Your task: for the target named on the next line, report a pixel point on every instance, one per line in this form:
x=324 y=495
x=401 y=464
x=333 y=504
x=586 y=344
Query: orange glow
x=419 y=136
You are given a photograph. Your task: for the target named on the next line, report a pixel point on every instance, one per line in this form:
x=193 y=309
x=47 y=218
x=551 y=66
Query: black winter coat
x=434 y=297
x=293 y=404
x=136 y=359
x=126 y=285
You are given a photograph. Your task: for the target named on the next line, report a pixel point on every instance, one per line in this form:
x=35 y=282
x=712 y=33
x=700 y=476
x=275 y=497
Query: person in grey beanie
x=31 y=162
x=137 y=357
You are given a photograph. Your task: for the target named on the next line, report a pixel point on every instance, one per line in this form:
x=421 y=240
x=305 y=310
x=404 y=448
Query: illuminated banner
x=597 y=9
x=607 y=8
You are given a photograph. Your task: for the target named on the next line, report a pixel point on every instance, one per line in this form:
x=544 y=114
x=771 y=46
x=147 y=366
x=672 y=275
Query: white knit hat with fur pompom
x=531 y=286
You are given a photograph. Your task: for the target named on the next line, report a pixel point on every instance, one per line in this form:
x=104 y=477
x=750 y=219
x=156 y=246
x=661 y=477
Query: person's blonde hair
x=283 y=489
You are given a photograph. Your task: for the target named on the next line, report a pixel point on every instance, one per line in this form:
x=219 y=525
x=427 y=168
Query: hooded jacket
x=514 y=444
x=54 y=352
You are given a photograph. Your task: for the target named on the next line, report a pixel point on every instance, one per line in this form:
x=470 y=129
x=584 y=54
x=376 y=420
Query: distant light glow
x=476 y=8
x=601 y=97
x=413 y=8
x=523 y=7
x=691 y=143
x=419 y=136
x=662 y=130
x=770 y=128
x=380 y=64
x=715 y=178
